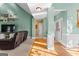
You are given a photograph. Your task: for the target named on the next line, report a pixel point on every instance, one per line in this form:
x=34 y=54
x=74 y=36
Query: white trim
x=60 y=19
x=29 y=37
x=57 y=11
x=52 y=48
x=33 y=38
x=38 y=37
x=62 y=43
x=60 y=9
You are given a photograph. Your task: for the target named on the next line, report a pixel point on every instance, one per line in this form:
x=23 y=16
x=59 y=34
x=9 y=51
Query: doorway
x=39 y=28
x=58 y=29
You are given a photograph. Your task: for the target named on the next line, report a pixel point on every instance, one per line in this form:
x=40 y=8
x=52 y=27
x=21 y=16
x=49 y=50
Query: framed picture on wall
x=78 y=18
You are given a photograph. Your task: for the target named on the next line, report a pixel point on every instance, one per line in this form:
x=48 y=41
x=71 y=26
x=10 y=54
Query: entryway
x=39 y=28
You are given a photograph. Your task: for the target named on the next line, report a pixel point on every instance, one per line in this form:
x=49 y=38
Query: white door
x=58 y=29
x=40 y=30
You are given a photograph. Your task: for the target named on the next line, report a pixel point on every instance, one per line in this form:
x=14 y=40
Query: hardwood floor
x=39 y=49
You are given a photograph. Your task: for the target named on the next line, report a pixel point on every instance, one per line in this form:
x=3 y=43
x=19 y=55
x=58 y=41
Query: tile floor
x=21 y=50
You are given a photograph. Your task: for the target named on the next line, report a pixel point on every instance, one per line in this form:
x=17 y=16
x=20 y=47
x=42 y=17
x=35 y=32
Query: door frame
x=60 y=27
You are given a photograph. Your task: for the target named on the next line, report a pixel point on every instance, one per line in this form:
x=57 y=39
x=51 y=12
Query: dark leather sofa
x=13 y=42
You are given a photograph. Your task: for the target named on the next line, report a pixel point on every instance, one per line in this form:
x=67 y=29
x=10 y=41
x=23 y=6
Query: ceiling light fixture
x=38 y=8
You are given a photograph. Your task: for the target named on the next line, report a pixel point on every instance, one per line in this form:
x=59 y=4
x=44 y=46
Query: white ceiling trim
x=57 y=11
x=40 y=15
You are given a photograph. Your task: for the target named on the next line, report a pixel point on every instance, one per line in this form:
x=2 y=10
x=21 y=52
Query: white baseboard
x=62 y=43
x=50 y=48
x=33 y=37
x=29 y=37
x=39 y=37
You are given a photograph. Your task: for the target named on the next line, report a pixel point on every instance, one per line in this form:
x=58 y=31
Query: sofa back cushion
x=20 y=37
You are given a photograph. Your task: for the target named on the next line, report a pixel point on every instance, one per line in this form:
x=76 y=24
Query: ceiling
x=40 y=15
x=43 y=6
x=31 y=9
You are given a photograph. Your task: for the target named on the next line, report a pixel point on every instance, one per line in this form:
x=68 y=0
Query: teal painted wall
x=50 y=19
x=23 y=21
x=71 y=13
x=62 y=14
x=33 y=27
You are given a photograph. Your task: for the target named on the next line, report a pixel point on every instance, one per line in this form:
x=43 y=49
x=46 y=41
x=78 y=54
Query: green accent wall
x=23 y=20
x=71 y=13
